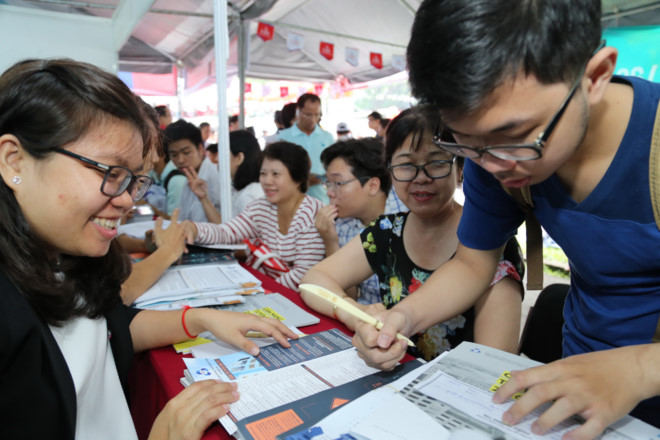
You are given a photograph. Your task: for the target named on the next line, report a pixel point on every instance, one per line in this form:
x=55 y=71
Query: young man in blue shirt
x=527 y=92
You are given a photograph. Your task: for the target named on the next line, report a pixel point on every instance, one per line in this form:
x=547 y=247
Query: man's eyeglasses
x=520 y=152
x=116 y=179
x=336 y=186
x=408 y=172
x=311 y=115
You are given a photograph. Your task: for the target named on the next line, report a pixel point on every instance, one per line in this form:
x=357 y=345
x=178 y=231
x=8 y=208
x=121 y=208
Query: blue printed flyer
x=271 y=357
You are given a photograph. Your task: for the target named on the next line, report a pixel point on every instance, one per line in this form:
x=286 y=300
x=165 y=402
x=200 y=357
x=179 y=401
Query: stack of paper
x=279 y=375
x=450 y=398
x=200 y=285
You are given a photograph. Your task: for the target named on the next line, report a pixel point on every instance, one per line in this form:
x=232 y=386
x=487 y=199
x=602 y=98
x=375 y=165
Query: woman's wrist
x=195 y=320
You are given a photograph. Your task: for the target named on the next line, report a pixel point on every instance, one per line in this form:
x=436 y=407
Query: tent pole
x=242 y=57
x=221 y=49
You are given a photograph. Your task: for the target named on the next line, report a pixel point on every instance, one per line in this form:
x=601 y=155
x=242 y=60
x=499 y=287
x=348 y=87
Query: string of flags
x=295 y=41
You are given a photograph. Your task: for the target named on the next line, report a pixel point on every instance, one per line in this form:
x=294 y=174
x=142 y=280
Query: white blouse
x=102 y=410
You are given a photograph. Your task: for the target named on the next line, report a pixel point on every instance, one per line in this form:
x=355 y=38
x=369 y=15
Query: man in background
x=343 y=132
x=164 y=116
x=359 y=187
x=307 y=133
x=205 y=129
x=200 y=200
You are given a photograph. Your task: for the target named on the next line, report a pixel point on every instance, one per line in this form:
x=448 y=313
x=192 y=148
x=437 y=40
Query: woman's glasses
x=116 y=179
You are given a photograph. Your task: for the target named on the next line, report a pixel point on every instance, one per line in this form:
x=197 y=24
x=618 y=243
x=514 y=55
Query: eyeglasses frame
x=107 y=169
x=423 y=168
x=338 y=185
x=536 y=146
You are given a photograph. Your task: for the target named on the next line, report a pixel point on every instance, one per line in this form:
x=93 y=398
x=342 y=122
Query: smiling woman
x=282 y=221
x=73 y=140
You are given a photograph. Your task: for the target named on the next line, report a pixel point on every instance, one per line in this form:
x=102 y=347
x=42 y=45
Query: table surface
x=155 y=376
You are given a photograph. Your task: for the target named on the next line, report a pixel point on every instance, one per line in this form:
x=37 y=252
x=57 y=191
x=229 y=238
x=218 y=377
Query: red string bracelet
x=183 y=322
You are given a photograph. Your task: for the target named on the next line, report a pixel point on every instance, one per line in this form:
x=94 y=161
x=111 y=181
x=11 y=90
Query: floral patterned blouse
x=399 y=277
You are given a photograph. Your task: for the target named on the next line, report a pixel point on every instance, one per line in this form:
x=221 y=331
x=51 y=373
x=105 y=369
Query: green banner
x=639 y=50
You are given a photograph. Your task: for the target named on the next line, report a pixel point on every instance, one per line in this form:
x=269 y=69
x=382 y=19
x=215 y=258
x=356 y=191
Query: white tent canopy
x=154 y=35
x=180 y=32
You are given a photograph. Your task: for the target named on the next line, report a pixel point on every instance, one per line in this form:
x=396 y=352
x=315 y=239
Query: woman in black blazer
x=73 y=140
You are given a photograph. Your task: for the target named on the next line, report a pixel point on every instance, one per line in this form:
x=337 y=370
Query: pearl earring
x=17 y=180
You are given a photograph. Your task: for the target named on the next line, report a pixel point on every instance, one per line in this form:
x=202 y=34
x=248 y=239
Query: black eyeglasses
x=335 y=186
x=530 y=151
x=408 y=172
x=116 y=179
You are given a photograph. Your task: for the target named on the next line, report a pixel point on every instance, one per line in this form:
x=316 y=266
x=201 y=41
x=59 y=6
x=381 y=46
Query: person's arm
x=325 y=223
x=309 y=251
x=195 y=408
x=453 y=288
x=132 y=244
x=152 y=329
x=233 y=231
x=345 y=268
x=497 y=316
x=171 y=244
x=601 y=387
x=200 y=189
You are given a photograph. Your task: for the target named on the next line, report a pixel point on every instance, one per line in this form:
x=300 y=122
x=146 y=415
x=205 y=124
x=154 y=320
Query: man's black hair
x=364 y=156
x=182 y=129
x=302 y=99
x=461 y=50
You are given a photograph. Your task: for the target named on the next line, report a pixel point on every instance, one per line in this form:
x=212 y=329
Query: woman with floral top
x=404 y=249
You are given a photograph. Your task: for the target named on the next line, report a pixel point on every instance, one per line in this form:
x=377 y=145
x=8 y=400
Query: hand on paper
x=601 y=387
x=173 y=239
x=193 y=410
x=325 y=222
x=231 y=327
x=377 y=347
x=197 y=186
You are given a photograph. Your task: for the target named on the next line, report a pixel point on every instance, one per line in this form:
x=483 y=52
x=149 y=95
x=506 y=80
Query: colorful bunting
x=294 y=41
x=265 y=31
x=352 y=56
x=399 y=62
x=327 y=50
x=376 y=60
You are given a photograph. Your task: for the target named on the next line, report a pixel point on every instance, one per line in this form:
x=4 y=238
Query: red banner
x=265 y=31
x=248 y=87
x=318 y=89
x=327 y=50
x=376 y=60
x=284 y=91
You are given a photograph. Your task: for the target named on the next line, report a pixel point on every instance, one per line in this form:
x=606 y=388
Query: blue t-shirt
x=611 y=239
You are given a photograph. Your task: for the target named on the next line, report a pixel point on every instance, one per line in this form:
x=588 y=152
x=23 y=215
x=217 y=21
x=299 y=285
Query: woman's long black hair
x=48 y=104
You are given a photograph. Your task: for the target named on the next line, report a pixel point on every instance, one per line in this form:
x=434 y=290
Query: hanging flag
x=284 y=91
x=265 y=31
x=327 y=50
x=376 y=59
x=399 y=62
x=318 y=89
x=352 y=56
x=294 y=41
x=248 y=87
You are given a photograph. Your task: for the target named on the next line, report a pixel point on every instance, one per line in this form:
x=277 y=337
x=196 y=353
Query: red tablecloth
x=154 y=379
